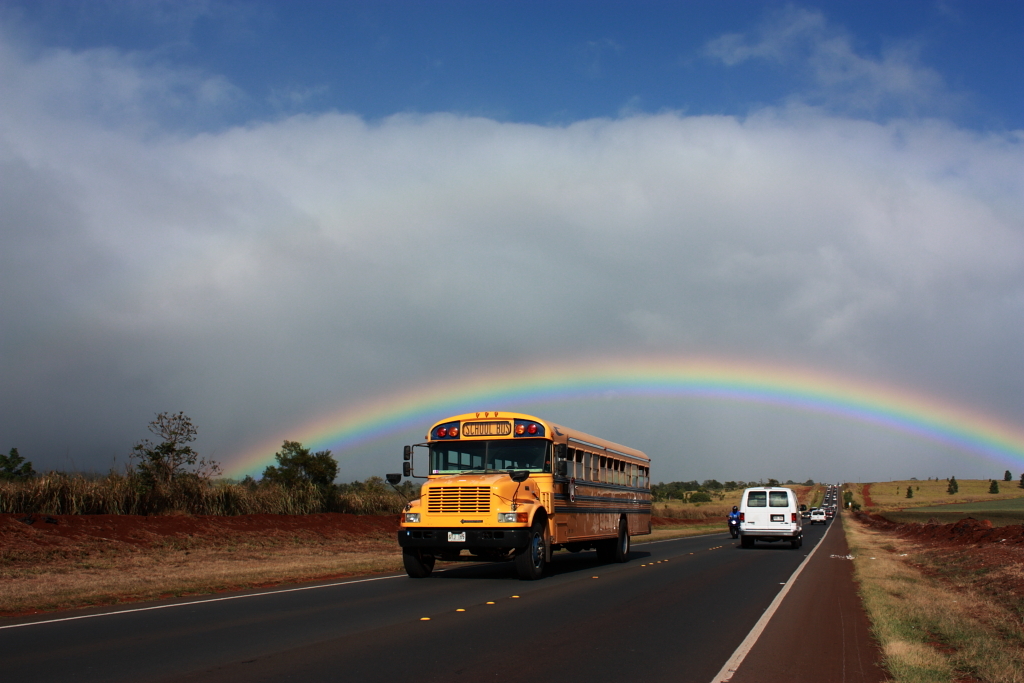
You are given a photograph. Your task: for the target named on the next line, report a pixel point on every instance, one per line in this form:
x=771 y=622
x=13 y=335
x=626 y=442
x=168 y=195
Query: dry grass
x=893 y=494
x=929 y=629
x=721 y=509
x=661 y=533
x=114 y=494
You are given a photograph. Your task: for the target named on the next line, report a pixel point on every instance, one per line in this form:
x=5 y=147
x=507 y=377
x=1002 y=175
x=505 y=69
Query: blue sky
x=265 y=214
x=544 y=62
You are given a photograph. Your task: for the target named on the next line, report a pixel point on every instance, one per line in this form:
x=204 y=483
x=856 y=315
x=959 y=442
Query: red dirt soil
x=865 y=493
x=33 y=533
x=971 y=551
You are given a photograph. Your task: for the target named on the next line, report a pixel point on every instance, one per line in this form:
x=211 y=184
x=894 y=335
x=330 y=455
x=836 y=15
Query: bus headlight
x=412 y=518
x=513 y=517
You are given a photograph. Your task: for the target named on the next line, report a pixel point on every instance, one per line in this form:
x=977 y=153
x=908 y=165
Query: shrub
x=993 y=487
x=14 y=467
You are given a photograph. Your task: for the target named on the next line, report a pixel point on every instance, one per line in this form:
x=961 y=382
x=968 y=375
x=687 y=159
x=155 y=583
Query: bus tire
x=418 y=565
x=530 y=560
x=621 y=552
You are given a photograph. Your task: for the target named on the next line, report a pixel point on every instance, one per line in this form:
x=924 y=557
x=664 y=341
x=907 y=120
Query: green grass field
x=1000 y=512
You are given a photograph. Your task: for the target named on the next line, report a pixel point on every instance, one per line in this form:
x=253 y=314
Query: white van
x=769 y=513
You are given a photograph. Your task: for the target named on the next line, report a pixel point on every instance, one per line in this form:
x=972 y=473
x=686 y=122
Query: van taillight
x=743 y=516
x=793 y=517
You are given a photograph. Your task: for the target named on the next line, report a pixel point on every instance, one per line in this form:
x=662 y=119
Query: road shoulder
x=820 y=632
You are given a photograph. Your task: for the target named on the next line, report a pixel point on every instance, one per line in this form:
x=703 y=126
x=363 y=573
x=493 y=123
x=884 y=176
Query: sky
x=270 y=215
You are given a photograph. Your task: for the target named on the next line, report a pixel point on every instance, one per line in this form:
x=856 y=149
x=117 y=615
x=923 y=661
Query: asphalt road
x=675 y=612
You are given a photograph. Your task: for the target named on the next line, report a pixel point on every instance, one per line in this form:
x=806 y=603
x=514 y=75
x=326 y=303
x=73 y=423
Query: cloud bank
x=259 y=275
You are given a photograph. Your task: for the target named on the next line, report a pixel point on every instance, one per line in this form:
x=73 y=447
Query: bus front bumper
x=449 y=539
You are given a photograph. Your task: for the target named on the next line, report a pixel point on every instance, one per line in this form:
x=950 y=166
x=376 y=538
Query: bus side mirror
x=393 y=479
x=519 y=476
x=406 y=469
x=407 y=453
x=561 y=468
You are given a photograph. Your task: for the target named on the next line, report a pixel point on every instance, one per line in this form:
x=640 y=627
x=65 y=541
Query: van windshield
x=490 y=456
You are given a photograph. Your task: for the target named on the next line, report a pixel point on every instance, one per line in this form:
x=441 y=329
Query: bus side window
x=579 y=464
x=586 y=466
x=603 y=476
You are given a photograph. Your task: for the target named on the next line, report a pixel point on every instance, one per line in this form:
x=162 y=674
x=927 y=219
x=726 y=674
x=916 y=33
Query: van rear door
x=780 y=509
x=756 y=510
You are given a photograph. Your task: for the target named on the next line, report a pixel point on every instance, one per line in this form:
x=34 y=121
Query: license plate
x=775 y=518
x=456 y=536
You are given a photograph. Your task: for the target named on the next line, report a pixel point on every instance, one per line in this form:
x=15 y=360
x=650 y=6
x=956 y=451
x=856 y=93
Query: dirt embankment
x=970 y=552
x=27 y=537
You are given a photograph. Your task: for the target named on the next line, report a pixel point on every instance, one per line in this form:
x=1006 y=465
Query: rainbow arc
x=791 y=387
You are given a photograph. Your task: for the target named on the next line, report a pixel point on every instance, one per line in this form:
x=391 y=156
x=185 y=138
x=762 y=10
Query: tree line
x=166 y=474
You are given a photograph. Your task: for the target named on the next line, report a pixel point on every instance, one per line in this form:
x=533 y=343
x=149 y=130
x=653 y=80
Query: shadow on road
x=562 y=563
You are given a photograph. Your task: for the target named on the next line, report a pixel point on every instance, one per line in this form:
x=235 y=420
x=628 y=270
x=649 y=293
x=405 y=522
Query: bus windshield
x=490 y=456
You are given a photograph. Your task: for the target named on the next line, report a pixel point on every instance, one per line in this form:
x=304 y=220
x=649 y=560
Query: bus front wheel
x=530 y=560
x=417 y=565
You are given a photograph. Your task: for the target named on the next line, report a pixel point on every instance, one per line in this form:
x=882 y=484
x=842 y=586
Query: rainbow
x=790 y=387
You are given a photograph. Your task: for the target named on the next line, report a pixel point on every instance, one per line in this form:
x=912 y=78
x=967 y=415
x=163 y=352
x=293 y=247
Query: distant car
x=829 y=513
x=818 y=515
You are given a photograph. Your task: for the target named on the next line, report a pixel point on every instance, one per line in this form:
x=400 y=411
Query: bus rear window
x=757 y=499
x=778 y=499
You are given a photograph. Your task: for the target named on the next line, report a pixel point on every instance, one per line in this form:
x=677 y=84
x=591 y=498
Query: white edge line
x=200 y=602
x=730 y=667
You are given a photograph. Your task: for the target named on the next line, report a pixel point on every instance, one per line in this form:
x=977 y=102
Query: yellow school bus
x=508 y=486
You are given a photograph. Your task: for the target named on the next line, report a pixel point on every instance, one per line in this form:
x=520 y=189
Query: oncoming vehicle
x=770 y=514
x=508 y=486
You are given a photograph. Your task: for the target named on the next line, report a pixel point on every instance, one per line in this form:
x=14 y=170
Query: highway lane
x=676 y=611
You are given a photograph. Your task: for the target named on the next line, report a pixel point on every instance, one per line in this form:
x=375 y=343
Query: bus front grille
x=459 y=499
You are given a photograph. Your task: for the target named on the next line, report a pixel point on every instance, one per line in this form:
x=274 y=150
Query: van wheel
x=418 y=564
x=530 y=560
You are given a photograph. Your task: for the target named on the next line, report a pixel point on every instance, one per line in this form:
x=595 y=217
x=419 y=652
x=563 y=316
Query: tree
x=1021 y=484
x=953 y=486
x=910 y=492
x=773 y=482
x=993 y=487
x=296 y=465
x=1007 y=476
x=172 y=457
x=14 y=467
x=700 y=497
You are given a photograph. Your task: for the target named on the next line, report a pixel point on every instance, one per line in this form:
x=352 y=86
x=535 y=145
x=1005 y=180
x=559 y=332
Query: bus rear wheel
x=418 y=564
x=615 y=549
x=531 y=559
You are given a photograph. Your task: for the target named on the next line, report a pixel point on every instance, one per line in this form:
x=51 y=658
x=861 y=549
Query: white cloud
x=893 y=82
x=258 y=276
